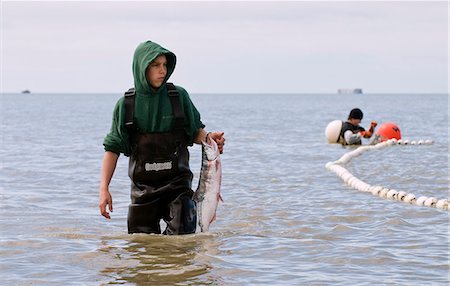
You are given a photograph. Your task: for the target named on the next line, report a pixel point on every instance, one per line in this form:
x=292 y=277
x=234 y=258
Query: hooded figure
x=153 y=110
x=156 y=145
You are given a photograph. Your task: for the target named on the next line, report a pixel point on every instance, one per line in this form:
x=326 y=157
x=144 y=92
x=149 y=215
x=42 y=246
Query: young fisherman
x=153 y=125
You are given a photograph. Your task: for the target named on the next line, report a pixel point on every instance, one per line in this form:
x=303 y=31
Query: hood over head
x=144 y=54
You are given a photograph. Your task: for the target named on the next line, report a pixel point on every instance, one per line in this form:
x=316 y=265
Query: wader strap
x=129 y=108
x=174 y=97
x=178 y=113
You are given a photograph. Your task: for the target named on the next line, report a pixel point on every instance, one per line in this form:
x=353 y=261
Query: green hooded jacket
x=153 y=110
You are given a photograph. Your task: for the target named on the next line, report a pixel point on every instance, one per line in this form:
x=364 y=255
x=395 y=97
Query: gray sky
x=224 y=47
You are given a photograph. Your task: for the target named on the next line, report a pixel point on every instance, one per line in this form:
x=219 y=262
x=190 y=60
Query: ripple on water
x=285 y=219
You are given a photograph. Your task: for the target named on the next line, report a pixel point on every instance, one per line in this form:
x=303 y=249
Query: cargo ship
x=350 y=90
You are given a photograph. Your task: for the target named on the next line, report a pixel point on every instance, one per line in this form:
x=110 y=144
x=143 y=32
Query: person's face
x=157 y=71
x=355 y=121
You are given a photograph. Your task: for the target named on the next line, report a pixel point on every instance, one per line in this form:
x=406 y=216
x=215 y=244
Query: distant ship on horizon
x=26 y=91
x=350 y=90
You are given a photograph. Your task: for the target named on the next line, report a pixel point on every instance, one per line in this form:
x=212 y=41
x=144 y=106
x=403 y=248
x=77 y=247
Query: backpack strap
x=129 y=108
x=178 y=113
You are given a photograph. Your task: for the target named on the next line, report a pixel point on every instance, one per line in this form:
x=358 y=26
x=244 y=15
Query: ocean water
x=285 y=219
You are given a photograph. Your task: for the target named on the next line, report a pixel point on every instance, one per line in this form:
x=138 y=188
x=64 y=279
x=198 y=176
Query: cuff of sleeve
x=111 y=150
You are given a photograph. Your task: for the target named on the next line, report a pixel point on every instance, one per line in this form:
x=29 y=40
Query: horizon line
x=236 y=93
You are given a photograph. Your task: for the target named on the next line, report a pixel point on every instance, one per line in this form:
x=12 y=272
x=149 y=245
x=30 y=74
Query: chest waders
x=347 y=126
x=160 y=176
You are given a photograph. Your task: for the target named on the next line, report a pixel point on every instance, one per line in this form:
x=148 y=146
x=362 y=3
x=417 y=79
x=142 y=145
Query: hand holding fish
x=220 y=140
x=216 y=136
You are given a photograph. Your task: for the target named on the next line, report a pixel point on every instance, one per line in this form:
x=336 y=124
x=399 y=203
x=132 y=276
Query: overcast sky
x=225 y=47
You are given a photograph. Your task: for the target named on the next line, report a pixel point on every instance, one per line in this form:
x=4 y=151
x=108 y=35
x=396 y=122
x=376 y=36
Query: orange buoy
x=388 y=131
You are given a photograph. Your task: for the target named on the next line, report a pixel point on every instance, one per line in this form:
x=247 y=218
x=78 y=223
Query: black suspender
x=129 y=108
x=174 y=97
x=178 y=113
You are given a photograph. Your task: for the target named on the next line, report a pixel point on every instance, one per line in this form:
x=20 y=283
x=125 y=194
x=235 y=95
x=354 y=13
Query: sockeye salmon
x=207 y=195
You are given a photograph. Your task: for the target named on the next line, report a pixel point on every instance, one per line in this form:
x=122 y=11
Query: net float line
x=383 y=192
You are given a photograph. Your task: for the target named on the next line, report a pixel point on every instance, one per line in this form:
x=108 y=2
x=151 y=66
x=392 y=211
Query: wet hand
x=220 y=140
x=373 y=124
x=105 y=200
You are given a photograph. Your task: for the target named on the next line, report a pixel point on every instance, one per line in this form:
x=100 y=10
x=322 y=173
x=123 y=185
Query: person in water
x=153 y=125
x=352 y=132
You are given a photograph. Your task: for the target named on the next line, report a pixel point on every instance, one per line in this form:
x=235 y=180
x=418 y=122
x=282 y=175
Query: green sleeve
x=193 y=121
x=117 y=140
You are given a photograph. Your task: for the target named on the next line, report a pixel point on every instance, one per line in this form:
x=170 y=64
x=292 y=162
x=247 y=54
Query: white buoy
x=410 y=198
x=383 y=192
x=392 y=141
x=345 y=158
x=346 y=177
x=401 y=195
x=364 y=148
x=333 y=130
x=381 y=145
x=350 y=180
x=391 y=194
x=375 y=190
x=430 y=202
x=364 y=187
x=421 y=200
x=442 y=204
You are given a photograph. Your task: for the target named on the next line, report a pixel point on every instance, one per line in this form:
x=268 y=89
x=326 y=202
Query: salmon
x=207 y=195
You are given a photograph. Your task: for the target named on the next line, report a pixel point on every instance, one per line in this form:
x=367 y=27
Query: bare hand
x=105 y=200
x=220 y=140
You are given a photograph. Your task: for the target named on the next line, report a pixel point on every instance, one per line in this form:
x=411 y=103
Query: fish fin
x=213 y=218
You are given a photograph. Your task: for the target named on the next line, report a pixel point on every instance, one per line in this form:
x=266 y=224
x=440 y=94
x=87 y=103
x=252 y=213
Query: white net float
x=381 y=191
x=401 y=195
x=410 y=198
x=421 y=200
x=391 y=194
x=430 y=202
x=442 y=204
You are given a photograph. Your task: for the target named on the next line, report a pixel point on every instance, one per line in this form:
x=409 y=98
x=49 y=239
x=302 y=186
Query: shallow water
x=285 y=219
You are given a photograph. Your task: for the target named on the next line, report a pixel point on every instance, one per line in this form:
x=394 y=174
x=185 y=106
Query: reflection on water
x=161 y=260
